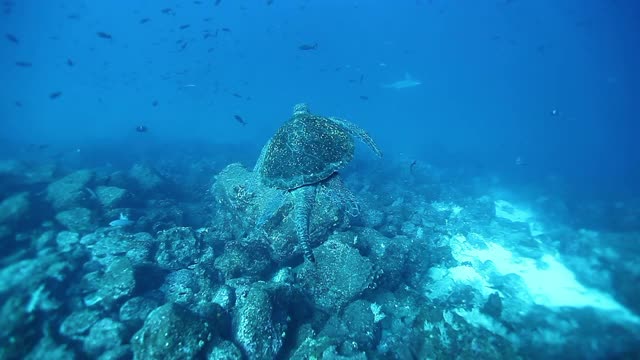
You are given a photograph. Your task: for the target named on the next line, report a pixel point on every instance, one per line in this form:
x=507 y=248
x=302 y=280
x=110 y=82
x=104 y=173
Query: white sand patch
x=548 y=282
x=442 y=206
x=513 y=213
x=507 y=210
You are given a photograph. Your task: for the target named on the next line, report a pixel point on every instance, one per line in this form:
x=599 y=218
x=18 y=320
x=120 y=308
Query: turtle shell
x=305 y=150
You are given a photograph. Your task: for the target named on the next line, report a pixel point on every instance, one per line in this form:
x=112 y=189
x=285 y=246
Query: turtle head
x=300 y=110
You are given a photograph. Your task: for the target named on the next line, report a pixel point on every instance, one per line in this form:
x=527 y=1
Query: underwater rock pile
x=403 y=266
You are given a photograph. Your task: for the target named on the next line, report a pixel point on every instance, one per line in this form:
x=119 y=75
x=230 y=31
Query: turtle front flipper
x=356 y=131
x=303 y=199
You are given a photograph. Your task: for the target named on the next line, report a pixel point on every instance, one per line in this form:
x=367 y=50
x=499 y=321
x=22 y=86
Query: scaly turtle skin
x=305 y=151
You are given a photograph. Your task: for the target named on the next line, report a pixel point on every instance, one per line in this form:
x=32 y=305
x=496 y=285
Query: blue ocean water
x=503 y=220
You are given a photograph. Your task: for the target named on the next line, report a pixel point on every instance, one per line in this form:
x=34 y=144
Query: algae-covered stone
x=250 y=258
x=111 y=196
x=256 y=327
x=225 y=350
x=114 y=285
x=10 y=167
x=225 y=297
x=13 y=208
x=77 y=219
x=339 y=276
x=387 y=255
x=135 y=310
x=310 y=346
x=104 y=335
x=355 y=325
x=29 y=273
x=71 y=190
x=121 y=352
x=146 y=178
x=18 y=327
x=194 y=290
x=171 y=332
x=77 y=324
x=181 y=287
x=47 y=348
x=105 y=246
x=44 y=240
x=67 y=240
x=178 y=248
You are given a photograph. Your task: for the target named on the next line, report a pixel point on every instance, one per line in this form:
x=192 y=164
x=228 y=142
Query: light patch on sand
x=548 y=281
x=507 y=210
x=478 y=319
x=442 y=206
x=513 y=213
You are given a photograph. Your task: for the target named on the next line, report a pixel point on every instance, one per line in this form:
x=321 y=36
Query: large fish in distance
x=407 y=82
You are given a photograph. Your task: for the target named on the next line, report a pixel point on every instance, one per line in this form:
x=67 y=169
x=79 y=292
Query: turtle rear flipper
x=356 y=131
x=303 y=199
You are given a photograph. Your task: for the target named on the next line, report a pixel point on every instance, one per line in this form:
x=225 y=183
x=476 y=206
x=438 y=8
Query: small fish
x=123 y=221
x=168 y=11
x=104 y=35
x=142 y=129
x=237 y=95
x=18 y=104
x=217 y=2
x=305 y=47
x=197 y=2
x=12 y=38
x=240 y=120
x=520 y=162
x=364 y=97
x=154 y=103
x=70 y=62
x=361 y=79
x=225 y=29
x=413 y=164
x=23 y=64
x=92 y=194
x=185 y=26
x=269 y=2
x=144 y=21
x=73 y=16
x=55 y=95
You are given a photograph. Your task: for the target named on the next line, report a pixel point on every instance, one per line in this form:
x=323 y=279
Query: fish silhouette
x=407 y=82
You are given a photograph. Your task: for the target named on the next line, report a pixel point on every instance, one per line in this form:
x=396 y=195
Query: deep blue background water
x=492 y=72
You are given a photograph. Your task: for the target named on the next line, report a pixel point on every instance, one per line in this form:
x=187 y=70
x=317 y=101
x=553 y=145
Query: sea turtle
x=305 y=151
